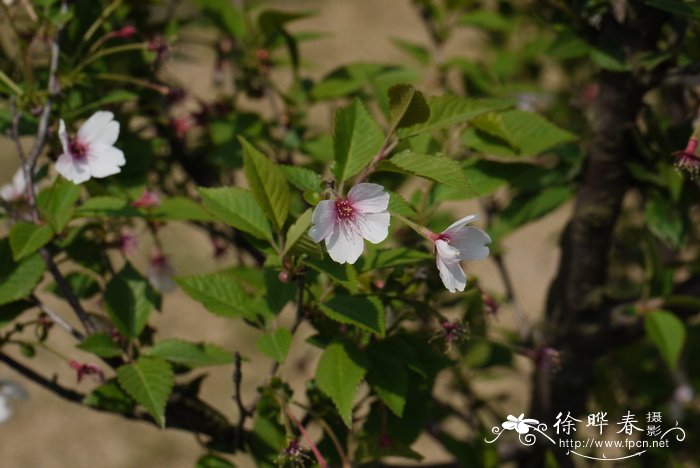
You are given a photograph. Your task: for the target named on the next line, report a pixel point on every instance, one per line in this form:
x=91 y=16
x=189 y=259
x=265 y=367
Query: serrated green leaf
x=446 y=111
x=302 y=178
x=18 y=279
x=181 y=208
x=237 y=207
x=366 y=312
x=82 y=285
x=398 y=205
x=275 y=344
x=110 y=397
x=668 y=334
x=149 y=381
x=356 y=140
x=388 y=378
x=129 y=300
x=335 y=270
x=298 y=240
x=436 y=167
x=528 y=133
x=27 y=238
x=681 y=7
x=219 y=293
x=338 y=374
x=107 y=207
x=267 y=184
x=190 y=354
x=57 y=203
x=407 y=107
x=101 y=344
x=391 y=258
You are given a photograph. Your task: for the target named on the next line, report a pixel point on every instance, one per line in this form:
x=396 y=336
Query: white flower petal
x=63 y=136
x=105 y=160
x=459 y=223
x=100 y=128
x=5 y=409
x=344 y=245
x=15 y=189
x=471 y=243
x=451 y=272
x=373 y=226
x=323 y=220
x=75 y=171
x=368 y=198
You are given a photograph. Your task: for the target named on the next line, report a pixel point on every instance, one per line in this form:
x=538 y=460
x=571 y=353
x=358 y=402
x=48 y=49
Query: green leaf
x=391 y=258
x=275 y=344
x=528 y=133
x=267 y=184
x=219 y=293
x=190 y=354
x=388 y=377
x=668 y=334
x=237 y=207
x=418 y=52
x=12 y=310
x=407 y=107
x=664 y=220
x=129 y=300
x=110 y=397
x=181 y=209
x=107 y=207
x=101 y=344
x=298 y=240
x=302 y=178
x=57 y=204
x=366 y=312
x=446 y=111
x=399 y=206
x=149 y=381
x=356 y=140
x=213 y=461
x=528 y=208
x=338 y=374
x=437 y=167
x=681 y=7
x=82 y=285
x=18 y=279
x=27 y=238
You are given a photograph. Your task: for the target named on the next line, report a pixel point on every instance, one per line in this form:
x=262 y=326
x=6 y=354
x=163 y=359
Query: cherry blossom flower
x=458 y=242
x=82 y=370
x=91 y=153
x=16 y=189
x=688 y=159
x=147 y=199
x=160 y=273
x=344 y=222
x=522 y=426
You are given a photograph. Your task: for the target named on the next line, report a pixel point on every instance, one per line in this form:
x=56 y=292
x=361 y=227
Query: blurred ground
x=47 y=432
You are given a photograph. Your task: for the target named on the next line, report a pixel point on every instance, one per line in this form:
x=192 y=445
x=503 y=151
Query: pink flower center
x=344 y=209
x=78 y=149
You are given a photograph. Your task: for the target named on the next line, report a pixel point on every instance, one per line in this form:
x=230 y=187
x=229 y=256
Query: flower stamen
x=344 y=209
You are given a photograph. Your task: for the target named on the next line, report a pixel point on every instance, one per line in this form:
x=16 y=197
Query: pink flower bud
x=147 y=199
x=124 y=33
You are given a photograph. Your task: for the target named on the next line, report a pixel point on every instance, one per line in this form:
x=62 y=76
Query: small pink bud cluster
x=687 y=159
x=83 y=370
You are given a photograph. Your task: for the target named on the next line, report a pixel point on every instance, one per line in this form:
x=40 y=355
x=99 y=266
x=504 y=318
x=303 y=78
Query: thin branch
x=58 y=320
x=518 y=312
x=50 y=385
x=243 y=412
x=52 y=90
x=67 y=291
